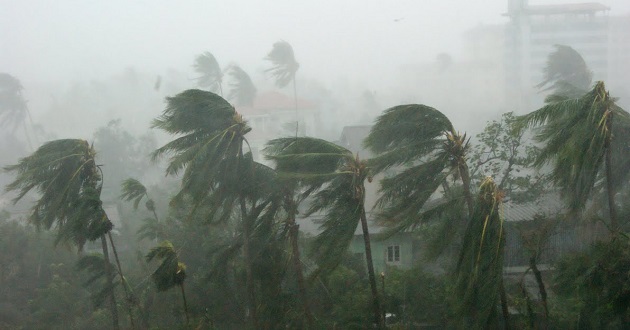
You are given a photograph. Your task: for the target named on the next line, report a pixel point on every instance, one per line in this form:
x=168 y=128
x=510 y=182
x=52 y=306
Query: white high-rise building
x=532 y=32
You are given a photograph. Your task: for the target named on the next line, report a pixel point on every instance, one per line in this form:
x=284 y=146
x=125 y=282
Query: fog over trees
x=311 y=166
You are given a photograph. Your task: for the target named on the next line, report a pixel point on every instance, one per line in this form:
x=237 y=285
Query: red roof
x=274 y=101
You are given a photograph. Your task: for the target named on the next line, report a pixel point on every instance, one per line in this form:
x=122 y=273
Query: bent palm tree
x=133 y=189
x=424 y=141
x=217 y=172
x=13 y=108
x=210 y=73
x=578 y=136
x=480 y=265
x=65 y=175
x=565 y=74
x=339 y=176
x=243 y=91
x=170 y=272
x=283 y=69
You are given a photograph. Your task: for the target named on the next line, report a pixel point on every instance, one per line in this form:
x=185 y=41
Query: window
x=393 y=253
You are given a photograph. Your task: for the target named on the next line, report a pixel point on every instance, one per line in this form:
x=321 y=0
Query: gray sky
x=363 y=40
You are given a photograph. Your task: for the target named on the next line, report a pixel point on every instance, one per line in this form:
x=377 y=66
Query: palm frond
x=480 y=265
x=210 y=73
x=242 y=91
x=565 y=72
x=284 y=66
x=132 y=189
x=171 y=271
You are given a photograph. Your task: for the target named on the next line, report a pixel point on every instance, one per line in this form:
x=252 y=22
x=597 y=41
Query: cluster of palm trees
x=418 y=144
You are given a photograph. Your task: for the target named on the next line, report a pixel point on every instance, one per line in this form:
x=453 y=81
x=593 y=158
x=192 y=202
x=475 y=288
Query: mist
x=108 y=72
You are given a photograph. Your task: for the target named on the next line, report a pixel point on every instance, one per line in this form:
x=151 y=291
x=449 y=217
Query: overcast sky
x=55 y=40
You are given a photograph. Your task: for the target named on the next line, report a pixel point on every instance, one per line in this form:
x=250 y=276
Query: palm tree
x=13 y=108
x=65 y=175
x=339 y=177
x=216 y=170
x=171 y=271
x=480 y=263
x=132 y=189
x=565 y=74
x=243 y=91
x=283 y=69
x=210 y=73
x=579 y=140
x=422 y=139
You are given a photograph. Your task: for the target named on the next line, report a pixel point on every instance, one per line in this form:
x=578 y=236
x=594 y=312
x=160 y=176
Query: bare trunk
x=110 y=277
x=463 y=172
x=123 y=281
x=251 y=297
x=297 y=265
x=504 y=305
x=297 y=121
x=368 y=259
x=181 y=286
x=541 y=289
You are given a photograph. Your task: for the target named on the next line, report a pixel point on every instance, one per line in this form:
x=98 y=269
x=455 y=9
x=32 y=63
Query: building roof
x=274 y=101
x=566 y=8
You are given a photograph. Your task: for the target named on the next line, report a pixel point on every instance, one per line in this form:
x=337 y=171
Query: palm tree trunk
x=110 y=277
x=251 y=297
x=123 y=281
x=463 y=172
x=541 y=289
x=181 y=286
x=504 y=305
x=368 y=258
x=297 y=265
x=614 y=224
x=297 y=121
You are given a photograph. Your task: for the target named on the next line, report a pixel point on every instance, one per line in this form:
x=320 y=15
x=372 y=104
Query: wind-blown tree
x=242 y=89
x=579 y=140
x=13 y=108
x=423 y=141
x=69 y=183
x=565 y=74
x=210 y=73
x=134 y=190
x=339 y=177
x=283 y=69
x=217 y=172
x=480 y=264
x=304 y=168
x=170 y=272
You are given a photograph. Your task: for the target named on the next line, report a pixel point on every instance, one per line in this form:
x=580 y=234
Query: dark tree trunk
x=463 y=172
x=123 y=281
x=110 y=277
x=297 y=264
x=541 y=289
x=251 y=296
x=181 y=286
x=368 y=259
x=504 y=305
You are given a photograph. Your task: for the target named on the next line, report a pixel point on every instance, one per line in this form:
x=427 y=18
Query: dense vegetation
x=216 y=244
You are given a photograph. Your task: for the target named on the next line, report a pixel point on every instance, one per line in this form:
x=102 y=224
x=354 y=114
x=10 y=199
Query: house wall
x=379 y=250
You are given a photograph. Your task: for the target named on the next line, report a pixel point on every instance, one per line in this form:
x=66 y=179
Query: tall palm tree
x=424 y=141
x=170 y=272
x=69 y=182
x=565 y=74
x=217 y=172
x=134 y=190
x=579 y=140
x=480 y=263
x=243 y=91
x=283 y=69
x=13 y=107
x=210 y=73
x=339 y=177
x=295 y=189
